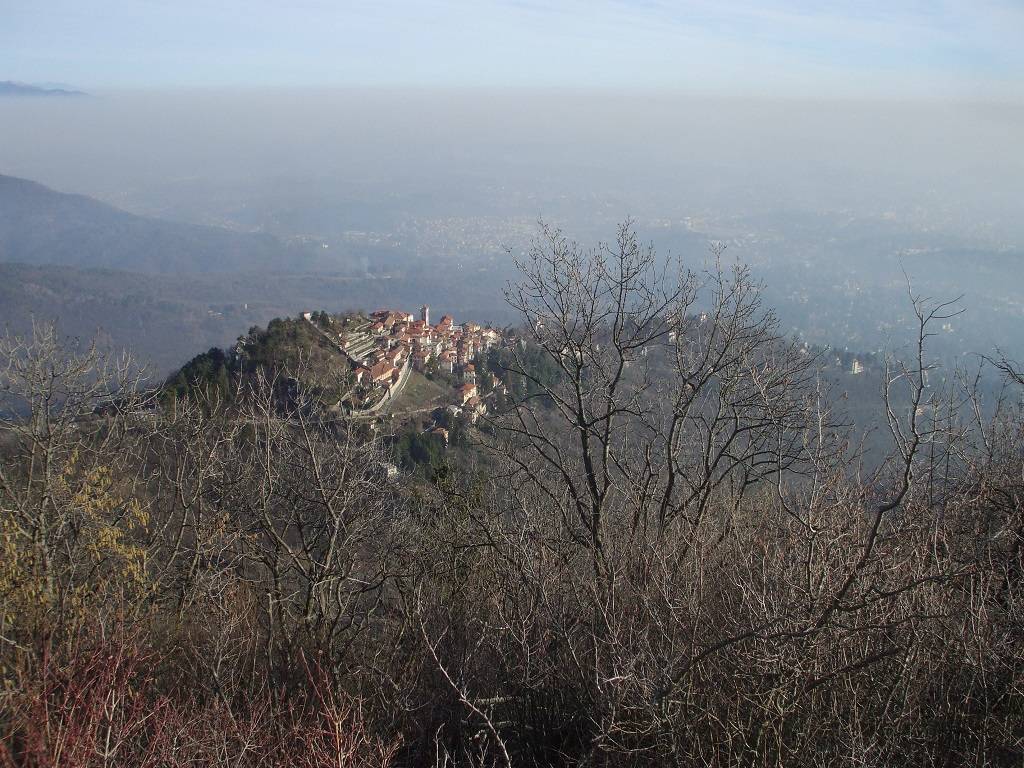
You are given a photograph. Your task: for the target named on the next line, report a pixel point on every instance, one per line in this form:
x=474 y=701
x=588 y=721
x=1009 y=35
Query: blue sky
x=939 y=47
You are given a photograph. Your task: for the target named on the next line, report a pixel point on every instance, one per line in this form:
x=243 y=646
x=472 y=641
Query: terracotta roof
x=381 y=369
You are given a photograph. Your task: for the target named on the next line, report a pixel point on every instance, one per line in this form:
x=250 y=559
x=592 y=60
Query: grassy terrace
x=419 y=393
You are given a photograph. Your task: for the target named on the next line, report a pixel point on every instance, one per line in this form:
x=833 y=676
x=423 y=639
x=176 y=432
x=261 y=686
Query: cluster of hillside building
x=384 y=348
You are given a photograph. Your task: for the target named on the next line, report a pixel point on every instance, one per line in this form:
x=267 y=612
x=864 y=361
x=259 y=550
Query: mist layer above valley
x=430 y=195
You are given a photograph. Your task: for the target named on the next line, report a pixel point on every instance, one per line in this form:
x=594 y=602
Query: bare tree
x=669 y=386
x=68 y=483
x=681 y=559
x=671 y=552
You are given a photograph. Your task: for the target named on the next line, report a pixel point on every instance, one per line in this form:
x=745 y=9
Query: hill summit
x=41 y=226
x=11 y=88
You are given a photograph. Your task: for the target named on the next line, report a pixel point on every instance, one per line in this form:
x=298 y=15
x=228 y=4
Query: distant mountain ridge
x=164 y=319
x=41 y=226
x=11 y=88
x=165 y=289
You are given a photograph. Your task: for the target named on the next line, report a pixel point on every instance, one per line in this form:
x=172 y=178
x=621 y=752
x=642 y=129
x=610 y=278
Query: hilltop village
x=385 y=347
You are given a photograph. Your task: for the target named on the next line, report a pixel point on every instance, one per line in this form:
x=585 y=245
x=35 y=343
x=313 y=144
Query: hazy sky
x=943 y=48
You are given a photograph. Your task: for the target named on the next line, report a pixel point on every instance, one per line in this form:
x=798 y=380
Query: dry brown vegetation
x=674 y=558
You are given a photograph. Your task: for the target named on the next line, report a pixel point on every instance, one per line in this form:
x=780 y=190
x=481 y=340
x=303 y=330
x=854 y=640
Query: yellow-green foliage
x=81 y=547
x=23 y=595
x=107 y=524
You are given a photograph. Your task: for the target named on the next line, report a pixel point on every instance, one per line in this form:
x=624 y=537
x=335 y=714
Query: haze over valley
x=511 y=384
x=829 y=200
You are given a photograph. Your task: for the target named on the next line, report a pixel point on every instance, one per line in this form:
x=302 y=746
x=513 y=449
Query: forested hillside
x=667 y=551
x=41 y=226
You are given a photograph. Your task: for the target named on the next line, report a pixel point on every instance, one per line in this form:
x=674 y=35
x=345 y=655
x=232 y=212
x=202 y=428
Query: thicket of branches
x=669 y=554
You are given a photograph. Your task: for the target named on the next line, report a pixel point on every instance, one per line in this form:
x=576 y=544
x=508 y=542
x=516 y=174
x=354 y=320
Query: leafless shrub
x=671 y=553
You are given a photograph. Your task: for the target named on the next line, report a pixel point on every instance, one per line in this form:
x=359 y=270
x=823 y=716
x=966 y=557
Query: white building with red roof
x=466 y=392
